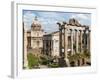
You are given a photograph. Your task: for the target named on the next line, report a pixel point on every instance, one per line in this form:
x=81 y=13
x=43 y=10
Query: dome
x=36 y=24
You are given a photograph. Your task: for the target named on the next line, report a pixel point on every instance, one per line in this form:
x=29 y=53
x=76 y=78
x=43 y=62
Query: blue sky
x=49 y=19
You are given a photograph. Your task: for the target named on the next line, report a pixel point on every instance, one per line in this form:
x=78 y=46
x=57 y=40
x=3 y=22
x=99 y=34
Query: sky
x=49 y=19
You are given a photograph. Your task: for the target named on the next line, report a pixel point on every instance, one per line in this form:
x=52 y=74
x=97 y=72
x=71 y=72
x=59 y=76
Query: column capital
x=81 y=31
x=76 y=30
x=89 y=30
x=71 y=29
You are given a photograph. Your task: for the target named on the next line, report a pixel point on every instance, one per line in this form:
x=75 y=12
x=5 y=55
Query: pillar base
x=67 y=62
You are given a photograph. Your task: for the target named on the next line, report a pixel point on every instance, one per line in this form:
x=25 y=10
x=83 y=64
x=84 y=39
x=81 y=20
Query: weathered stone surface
x=74 y=22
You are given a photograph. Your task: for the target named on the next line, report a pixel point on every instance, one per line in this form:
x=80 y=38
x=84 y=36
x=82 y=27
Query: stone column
x=60 y=38
x=66 y=45
x=65 y=42
x=74 y=41
x=60 y=41
x=81 y=37
x=77 y=41
x=63 y=29
x=89 y=40
x=84 y=40
x=71 y=42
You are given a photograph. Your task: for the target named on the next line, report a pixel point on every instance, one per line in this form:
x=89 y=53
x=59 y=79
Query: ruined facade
x=71 y=38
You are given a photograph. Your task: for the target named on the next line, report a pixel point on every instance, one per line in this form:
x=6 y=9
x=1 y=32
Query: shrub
x=79 y=56
x=32 y=61
x=53 y=65
x=45 y=60
x=72 y=63
x=74 y=57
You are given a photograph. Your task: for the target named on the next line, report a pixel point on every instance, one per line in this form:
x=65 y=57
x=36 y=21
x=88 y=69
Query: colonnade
x=80 y=39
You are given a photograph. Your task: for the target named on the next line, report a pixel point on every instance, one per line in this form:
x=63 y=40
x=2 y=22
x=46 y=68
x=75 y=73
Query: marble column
x=77 y=41
x=60 y=41
x=71 y=42
x=66 y=45
x=85 y=39
x=81 y=44
x=89 y=40
x=65 y=42
x=60 y=38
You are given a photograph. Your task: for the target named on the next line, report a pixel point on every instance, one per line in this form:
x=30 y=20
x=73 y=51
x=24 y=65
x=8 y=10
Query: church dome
x=36 y=24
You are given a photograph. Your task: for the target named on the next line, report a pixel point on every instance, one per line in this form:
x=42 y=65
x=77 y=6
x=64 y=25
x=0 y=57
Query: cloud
x=82 y=18
x=51 y=15
x=48 y=24
x=28 y=18
x=48 y=19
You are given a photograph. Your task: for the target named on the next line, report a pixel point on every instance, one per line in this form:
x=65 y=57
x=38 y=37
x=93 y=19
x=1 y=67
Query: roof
x=49 y=34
